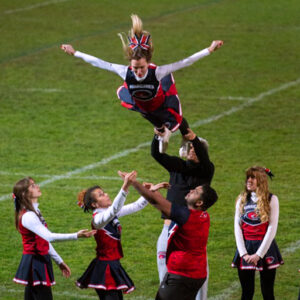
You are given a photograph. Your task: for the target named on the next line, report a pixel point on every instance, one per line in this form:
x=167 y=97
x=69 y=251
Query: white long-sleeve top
x=33 y=223
x=271 y=231
x=160 y=72
x=105 y=215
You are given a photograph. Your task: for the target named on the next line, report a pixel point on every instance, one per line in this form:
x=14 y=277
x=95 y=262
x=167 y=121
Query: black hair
x=209 y=196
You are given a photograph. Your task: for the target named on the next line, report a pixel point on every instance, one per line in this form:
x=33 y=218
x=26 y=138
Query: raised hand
x=155 y=187
x=190 y=135
x=215 y=45
x=68 y=49
x=128 y=178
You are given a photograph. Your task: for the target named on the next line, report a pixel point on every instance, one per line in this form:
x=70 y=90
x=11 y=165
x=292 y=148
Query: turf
x=59 y=114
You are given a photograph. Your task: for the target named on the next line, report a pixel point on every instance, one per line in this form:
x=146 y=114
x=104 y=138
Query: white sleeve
x=162 y=71
x=54 y=255
x=133 y=207
x=272 y=228
x=240 y=243
x=120 y=70
x=32 y=222
x=102 y=218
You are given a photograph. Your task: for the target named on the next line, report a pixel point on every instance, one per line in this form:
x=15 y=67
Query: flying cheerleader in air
x=148 y=89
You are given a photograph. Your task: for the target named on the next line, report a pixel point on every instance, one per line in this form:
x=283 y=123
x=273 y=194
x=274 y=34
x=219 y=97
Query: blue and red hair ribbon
x=269 y=173
x=135 y=42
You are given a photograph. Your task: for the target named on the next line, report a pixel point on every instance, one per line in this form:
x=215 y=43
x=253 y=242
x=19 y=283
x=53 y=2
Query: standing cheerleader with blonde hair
x=148 y=89
x=255 y=226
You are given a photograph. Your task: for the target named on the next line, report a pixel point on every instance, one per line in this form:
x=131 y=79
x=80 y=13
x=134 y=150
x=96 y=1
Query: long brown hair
x=262 y=192
x=20 y=194
x=137 y=30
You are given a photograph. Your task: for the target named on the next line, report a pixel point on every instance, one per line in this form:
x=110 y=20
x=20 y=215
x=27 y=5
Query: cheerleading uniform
x=35 y=268
x=253 y=236
x=186 y=254
x=105 y=271
x=154 y=95
x=256 y=237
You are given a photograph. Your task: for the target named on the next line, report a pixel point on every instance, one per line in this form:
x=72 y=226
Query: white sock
x=161 y=248
x=202 y=293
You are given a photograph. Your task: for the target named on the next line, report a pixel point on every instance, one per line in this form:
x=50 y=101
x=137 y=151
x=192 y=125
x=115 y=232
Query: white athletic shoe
x=164 y=140
x=183 y=150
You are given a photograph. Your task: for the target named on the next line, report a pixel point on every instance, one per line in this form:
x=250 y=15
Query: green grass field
x=61 y=123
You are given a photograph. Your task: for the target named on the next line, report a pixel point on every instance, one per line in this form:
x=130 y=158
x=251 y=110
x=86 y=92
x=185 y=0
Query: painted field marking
x=226 y=293
x=147 y=144
x=30 y=7
x=235 y=285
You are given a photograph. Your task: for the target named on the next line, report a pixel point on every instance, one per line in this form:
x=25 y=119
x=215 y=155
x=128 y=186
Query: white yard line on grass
x=147 y=144
x=224 y=295
x=30 y=7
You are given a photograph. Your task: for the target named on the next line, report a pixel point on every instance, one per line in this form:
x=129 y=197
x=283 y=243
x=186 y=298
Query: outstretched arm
x=120 y=70
x=170 y=163
x=102 y=218
x=32 y=222
x=155 y=198
x=164 y=70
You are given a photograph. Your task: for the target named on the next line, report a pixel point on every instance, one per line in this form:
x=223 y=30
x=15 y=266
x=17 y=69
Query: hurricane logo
x=252 y=215
x=269 y=260
x=142 y=95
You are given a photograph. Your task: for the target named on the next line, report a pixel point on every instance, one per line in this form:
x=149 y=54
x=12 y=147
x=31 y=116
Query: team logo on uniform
x=269 y=260
x=142 y=94
x=252 y=216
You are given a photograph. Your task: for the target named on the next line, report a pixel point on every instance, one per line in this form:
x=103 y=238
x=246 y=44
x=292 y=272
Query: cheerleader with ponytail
x=255 y=226
x=105 y=273
x=35 y=269
x=148 y=89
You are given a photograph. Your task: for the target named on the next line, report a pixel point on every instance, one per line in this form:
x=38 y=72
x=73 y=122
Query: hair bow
x=80 y=204
x=135 y=42
x=269 y=173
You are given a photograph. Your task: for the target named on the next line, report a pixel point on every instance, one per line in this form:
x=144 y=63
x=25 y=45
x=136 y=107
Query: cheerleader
x=148 y=89
x=255 y=226
x=35 y=269
x=105 y=273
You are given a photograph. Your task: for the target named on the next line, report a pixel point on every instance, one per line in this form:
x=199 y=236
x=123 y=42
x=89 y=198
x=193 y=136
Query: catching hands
x=128 y=178
x=85 y=233
x=191 y=135
x=66 y=271
x=68 y=49
x=155 y=187
x=215 y=45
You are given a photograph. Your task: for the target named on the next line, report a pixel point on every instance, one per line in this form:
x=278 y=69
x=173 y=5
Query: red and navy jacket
x=188 y=235
x=252 y=227
x=108 y=241
x=32 y=243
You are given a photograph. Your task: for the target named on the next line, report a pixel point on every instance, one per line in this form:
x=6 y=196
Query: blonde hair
x=262 y=193
x=137 y=30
